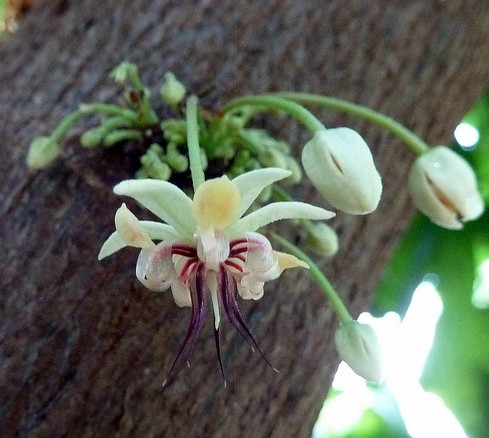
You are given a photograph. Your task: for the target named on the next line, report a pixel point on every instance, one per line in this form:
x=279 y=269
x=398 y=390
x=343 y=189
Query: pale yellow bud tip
x=130 y=230
x=216 y=203
x=288 y=261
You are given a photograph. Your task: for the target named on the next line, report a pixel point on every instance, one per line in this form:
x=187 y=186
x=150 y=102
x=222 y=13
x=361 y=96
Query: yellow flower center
x=216 y=203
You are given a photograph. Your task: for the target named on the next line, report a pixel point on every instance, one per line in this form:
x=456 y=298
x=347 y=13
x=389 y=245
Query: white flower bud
x=172 y=91
x=444 y=188
x=359 y=347
x=42 y=152
x=340 y=165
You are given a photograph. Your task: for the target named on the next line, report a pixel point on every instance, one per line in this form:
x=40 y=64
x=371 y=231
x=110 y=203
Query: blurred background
x=431 y=312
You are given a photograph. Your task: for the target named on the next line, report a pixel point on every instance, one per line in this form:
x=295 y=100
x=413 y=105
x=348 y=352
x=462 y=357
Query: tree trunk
x=84 y=347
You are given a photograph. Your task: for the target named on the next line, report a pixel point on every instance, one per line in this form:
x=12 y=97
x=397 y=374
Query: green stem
x=415 y=143
x=119 y=135
x=323 y=282
x=268 y=102
x=243 y=138
x=108 y=109
x=114 y=123
x=196 y=169
x=65 y=125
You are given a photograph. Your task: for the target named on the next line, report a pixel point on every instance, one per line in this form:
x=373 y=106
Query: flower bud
x=359 y=347
x=92 y=138
x=272 y=157
x=174 y=130
x=444 y=188
x=172 y=91
x=339 y=164
x=121 y=73
x=175 y=159
x=295 y=168
x=42 y=152
x=322 y=239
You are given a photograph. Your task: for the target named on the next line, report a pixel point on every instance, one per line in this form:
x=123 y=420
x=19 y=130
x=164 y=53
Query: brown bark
x=84 y=348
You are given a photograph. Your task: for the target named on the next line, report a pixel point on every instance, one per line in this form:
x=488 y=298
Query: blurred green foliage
x=458 y=366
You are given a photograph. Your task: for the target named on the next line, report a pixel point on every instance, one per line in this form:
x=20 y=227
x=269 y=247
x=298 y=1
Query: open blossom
x=444 y=187
x=207 y=248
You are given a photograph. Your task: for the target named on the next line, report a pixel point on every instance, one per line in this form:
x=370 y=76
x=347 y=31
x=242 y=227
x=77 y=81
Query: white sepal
x=155 y=230
x=278 y=211
x=164 y=199
x=251 y=184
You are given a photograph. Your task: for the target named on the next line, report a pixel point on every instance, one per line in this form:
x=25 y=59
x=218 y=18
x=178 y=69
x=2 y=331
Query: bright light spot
x=466 y=135
x=480 y=296
x=339 y=415
x=426 y=416
x=405 y=346
x=416 y=336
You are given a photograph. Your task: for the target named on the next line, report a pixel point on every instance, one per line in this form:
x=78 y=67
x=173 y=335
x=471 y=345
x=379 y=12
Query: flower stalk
x=327 y=288
x=193 y=143
x=269 y=102
x=414 y=143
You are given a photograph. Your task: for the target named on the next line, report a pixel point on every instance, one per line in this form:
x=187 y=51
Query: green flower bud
x=265 y=195
x=175 y=159
x=120 y=135
x=322 y=239
x=226 y=151
x=273 y=158
x=42 y=152
x=122 y=71
x=92 y=138
x=292 y=165
x=160 y=171
x=172 y=91
x=174 y=130
x=153 y=164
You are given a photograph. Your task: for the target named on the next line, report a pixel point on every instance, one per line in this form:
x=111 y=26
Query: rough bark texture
x=84 y=347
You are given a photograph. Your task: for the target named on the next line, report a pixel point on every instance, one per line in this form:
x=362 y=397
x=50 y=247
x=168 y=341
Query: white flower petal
x=251 y=184
x=278 y=211
x=164 y=199
x=181 y=294
x=155 y=268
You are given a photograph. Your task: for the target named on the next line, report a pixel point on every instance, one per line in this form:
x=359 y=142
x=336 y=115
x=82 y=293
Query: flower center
x=216 y=203
x=212 y=248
